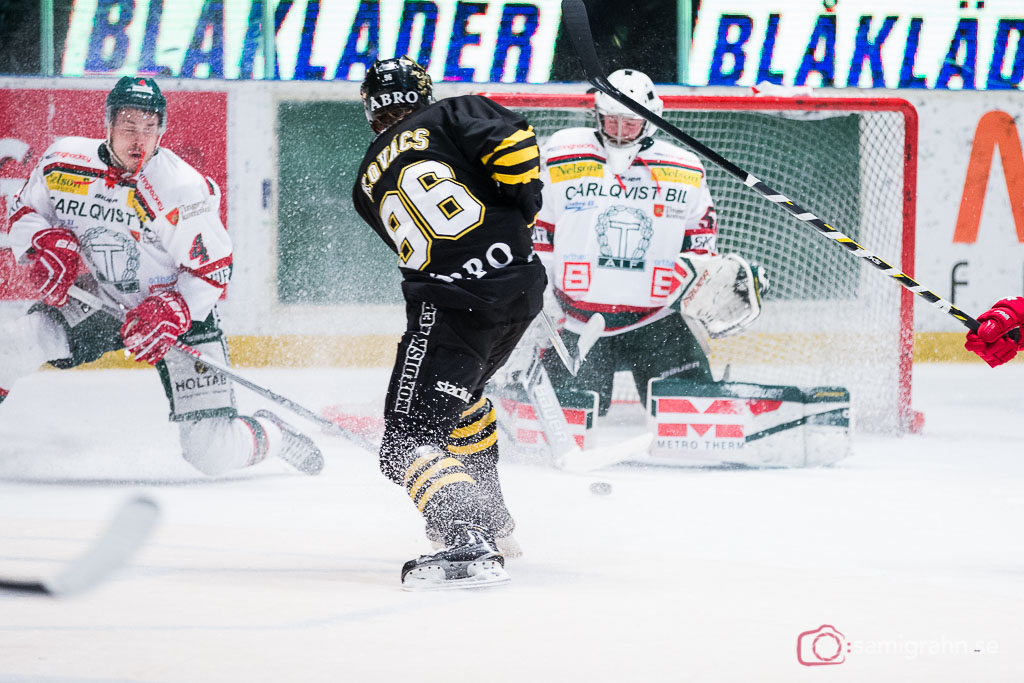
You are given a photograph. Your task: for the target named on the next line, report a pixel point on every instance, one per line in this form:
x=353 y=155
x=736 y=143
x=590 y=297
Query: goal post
x=829 y=319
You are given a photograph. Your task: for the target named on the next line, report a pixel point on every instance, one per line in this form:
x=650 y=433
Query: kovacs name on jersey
x=406 y=140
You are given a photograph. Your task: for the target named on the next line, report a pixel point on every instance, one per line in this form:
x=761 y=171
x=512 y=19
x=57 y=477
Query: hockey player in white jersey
x=135 y=225
x=628 y=229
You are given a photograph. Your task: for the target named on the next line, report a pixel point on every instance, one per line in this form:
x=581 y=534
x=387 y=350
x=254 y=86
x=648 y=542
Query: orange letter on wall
x=994 y=128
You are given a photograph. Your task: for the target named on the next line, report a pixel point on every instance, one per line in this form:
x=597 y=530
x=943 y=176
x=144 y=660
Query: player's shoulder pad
x=73 y=149
x=481 y=107
x=572 y=141
x=666 y=150
x=171 y=181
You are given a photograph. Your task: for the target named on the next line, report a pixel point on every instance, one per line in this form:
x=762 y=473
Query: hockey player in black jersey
x=453 y=188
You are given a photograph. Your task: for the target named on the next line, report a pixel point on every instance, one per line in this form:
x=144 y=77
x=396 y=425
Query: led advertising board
x=485 y=41
x=938 y=44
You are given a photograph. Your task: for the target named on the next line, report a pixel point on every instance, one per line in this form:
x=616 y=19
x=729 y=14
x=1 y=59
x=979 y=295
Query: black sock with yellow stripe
x=442 y=489
x=475 y=442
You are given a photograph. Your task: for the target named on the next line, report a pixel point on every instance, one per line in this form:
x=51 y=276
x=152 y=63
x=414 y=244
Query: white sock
x=217 y=445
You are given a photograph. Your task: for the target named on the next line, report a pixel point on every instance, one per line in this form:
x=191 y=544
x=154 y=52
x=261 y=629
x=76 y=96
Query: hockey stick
x=565 y=452
x=125 y=534
x=588 y=337
x=577 y=24
x=799 y=422
x=232 y=374
x=552 y=420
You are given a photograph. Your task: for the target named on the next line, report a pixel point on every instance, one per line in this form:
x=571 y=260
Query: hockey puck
x=600 y=488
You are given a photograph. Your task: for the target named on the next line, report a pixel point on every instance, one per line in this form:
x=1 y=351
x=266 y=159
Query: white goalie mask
x=619 y=127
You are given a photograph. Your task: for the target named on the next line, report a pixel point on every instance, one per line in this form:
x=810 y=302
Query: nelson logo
x=68 y=182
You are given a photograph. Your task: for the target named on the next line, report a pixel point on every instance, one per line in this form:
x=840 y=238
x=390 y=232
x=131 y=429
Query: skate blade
x=432 y=577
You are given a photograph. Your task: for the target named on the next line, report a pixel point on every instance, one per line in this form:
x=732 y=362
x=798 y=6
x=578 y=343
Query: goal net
x=829 y=318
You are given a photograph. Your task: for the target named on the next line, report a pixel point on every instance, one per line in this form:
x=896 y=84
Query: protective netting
x=829 y=318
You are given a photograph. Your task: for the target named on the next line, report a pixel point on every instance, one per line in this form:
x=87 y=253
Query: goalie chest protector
x=614 y=239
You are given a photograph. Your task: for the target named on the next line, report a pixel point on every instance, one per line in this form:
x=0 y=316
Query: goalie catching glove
x=152 y=327
x=55 y=261
x=722 y=292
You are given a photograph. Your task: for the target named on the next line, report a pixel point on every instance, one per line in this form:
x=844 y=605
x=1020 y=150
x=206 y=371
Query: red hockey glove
x=55 y=264
x=152 y=327
x=990 y=342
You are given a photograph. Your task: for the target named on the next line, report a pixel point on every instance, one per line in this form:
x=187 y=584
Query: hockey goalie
x=628 y=232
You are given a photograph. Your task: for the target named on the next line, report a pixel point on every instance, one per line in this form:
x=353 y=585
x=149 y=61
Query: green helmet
x=137 y=93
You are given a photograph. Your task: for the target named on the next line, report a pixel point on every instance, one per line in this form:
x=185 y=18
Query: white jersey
x=139 y=232
x=610 y=241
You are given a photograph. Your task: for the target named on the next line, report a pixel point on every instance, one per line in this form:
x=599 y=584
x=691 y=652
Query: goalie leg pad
x=521 y=422
x=748 y=424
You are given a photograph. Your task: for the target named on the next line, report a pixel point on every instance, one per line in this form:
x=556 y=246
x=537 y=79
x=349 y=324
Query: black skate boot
x=503 y=538
x=472 y=560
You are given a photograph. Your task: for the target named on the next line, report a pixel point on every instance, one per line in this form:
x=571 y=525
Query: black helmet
x=137 y=93
x=392 y=89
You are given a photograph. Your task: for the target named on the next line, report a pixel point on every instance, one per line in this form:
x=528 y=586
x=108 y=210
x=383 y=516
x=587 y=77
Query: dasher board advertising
x=486 y=41
x=934 y=44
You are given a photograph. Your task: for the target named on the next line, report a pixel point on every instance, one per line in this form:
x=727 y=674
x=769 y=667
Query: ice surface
x=911 y=549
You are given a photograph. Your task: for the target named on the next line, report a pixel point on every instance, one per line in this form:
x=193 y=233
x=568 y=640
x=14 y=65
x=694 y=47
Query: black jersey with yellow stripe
x=453 y=189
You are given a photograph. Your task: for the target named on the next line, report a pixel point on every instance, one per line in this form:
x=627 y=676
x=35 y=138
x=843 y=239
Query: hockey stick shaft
x=232 y=374
x=571 y=364
x=588 y=337
x=126 y=532
x=574 y=14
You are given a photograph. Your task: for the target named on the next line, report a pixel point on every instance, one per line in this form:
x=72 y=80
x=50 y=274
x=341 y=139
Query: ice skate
x=472 y=560
x=507 y=544
x=297 y=449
